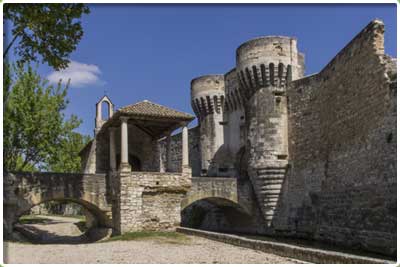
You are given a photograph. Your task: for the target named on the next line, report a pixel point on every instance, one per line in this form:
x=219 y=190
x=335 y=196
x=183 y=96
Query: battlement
x=264 y=75
x=207 y=94
x=267 y=62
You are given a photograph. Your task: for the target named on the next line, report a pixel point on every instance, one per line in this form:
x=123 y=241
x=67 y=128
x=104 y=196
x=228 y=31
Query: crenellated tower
x=207 y=97
x=264 y=66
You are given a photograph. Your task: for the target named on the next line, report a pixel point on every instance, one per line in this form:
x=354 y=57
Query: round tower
x=264 y=67
x=207 y=97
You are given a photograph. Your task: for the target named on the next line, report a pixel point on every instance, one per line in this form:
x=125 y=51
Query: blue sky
x=137 y=52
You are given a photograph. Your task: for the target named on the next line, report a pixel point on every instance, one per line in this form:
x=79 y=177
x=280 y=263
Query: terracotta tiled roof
x=149 y=109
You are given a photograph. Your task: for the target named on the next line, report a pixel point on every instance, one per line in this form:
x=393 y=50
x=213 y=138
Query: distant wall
x=341 y=183
x=176 y=152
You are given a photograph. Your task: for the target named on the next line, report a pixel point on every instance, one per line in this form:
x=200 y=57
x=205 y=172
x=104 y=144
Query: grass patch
x=162 y=237
x=32 y=219
x=80 y=217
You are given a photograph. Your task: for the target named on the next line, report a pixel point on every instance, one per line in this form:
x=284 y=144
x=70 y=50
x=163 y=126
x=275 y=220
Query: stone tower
x=207 y=97
x=264 y=66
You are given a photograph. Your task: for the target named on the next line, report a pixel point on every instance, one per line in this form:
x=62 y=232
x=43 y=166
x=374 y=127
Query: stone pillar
x=113 y=161
x=185 y=149
x=168 y=153
x=124 y=166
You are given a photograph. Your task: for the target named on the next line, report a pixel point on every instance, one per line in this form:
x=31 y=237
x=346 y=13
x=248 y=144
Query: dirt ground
x=66 y=236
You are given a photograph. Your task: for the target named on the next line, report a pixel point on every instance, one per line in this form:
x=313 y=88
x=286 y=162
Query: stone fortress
x=274 y=153
x=319 y=151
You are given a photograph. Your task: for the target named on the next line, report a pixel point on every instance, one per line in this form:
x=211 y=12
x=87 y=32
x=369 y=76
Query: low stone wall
x=148 y=200
x=286 y=250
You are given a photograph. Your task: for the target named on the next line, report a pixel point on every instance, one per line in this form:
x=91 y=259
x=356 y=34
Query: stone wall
x=148 y=200
x=341 y=183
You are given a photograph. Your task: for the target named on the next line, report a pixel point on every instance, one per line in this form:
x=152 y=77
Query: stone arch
x=105 y=110
x=99 y=216
x=216 y=214
x=216 y=200
x=217 y=190
x=22 y=191
x=99 y=112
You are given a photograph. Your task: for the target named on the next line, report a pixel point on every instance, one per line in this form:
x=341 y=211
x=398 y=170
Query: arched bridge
x=24 y=190
x=151 y=199
x=223 y=191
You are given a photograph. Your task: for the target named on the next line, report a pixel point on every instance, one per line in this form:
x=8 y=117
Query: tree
x=34 y=124
x=49 y=30
x=65 y=158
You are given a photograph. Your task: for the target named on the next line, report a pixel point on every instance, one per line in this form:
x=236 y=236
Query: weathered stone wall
x=341 y=185
x=148 y=200
x=176 y=152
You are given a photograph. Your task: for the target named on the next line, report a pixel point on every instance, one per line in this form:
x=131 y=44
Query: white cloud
x=81 y=74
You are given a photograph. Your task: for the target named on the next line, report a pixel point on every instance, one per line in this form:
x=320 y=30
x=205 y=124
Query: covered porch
x=129 y=140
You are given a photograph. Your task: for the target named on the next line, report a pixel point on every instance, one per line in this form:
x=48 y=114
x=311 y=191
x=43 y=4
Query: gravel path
x=194 y=250
x=57 y=230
